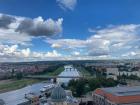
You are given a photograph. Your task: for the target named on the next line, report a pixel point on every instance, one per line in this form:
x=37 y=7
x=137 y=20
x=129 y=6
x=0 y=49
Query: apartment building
x=114 y=72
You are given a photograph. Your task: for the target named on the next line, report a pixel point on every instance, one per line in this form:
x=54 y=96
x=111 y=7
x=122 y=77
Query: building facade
x=117 y=96
x=61 y=97
x=114 y=72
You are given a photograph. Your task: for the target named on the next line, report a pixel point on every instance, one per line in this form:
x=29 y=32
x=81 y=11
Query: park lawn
x=83 y=71
x=16 y=84
x=57 y=71
x=54 y=73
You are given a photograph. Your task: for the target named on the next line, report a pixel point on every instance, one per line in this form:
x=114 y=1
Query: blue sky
x=69 y=29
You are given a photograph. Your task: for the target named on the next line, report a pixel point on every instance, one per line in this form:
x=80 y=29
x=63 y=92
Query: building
x=69 y=71
x=112 y=73
x=117 y=96
x=33 y=99
x=128 y=73
x=61 y=97
x=58 y=96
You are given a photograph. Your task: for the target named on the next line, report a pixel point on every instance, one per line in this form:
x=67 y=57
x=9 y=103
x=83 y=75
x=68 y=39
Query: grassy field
x=8 y=85
x=60 y=69
x=55 y=72
x=83 y=71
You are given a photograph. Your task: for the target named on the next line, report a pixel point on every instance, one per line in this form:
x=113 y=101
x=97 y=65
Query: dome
x=58 y=94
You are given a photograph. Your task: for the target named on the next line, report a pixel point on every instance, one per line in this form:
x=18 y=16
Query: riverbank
x=12 y=84
x=52 y=73
x=17 y=97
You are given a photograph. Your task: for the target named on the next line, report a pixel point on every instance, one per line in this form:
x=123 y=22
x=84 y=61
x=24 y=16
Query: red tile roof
x=118 y=99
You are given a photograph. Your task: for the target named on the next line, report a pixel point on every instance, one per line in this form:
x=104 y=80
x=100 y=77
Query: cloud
x=16 y=31
x=66 y=43
x=67 y=4
x=94 y=30
x=13 y=53
x=26 y=52
x=11 y=37
x=6 y=20
x=76 y=53
x=132 y=54
x=111 y=41
x=91 y=46
x=98 y=53
x=39 y=27
x=21 y=30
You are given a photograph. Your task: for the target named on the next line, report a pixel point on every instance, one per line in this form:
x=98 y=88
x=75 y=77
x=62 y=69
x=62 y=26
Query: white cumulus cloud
x=111 y=41
x=13 y=53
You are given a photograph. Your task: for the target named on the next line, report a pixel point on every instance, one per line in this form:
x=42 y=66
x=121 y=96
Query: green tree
x=80 y=87
x=13 y=72
x=72 y=83
x=19 y=75
x=72 y=86
x=133 y=77
x=94 y=83
x=110 y=82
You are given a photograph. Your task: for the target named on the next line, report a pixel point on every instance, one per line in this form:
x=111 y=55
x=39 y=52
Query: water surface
x=17 y=96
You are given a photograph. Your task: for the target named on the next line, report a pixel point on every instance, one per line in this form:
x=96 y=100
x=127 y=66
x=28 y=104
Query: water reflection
x=17 y=96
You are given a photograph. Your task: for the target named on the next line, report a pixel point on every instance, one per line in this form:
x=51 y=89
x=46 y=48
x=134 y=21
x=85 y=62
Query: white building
x=112 y=73
x=128 y=73
x=69 y=71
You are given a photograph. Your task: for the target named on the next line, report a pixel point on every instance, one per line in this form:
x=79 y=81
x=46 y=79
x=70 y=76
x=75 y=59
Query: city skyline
x=69 y=30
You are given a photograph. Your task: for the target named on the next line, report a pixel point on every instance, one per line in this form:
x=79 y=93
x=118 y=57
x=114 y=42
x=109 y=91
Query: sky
x=44 y=30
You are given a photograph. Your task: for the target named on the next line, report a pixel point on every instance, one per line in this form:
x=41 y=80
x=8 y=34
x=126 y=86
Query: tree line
x=80 y=87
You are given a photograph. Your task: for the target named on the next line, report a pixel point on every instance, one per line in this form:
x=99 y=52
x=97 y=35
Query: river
x=17 y=96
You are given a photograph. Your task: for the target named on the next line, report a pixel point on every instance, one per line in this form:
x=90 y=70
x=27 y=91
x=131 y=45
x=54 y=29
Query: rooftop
x=123 y=91
x=120 y=94
x=58 y=94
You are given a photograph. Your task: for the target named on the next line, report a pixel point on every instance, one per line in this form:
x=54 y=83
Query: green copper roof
x=58 y=94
